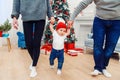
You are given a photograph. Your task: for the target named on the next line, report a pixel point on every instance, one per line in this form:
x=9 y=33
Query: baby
x=59 y=35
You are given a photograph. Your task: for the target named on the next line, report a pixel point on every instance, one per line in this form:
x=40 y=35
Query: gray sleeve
x=82 y=5
x=16 y=9
x=49 y=9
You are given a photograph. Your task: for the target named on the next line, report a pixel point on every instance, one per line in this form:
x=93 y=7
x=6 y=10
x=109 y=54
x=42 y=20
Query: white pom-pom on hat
x=61 y=20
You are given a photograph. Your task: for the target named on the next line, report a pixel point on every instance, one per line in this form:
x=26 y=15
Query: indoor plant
x=5 y=27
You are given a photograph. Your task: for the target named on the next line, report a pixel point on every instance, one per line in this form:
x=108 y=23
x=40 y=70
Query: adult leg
x=112 y=36
x=28 y=32
x=98 y=36
x=38 y=33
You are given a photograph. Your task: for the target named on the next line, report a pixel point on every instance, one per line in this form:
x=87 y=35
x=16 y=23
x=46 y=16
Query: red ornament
x=56 y=7
x=64 y=1
x=51 y=37
x=73 y=31
x=58 y=2
x=68 y=36
x=66 y=12
x=57 y=12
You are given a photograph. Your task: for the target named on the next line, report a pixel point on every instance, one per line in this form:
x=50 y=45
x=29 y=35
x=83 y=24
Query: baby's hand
x=52 y=20
x=70 y=23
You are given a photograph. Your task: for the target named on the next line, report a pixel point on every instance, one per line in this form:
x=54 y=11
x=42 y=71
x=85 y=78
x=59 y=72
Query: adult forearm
x=82 y=5
x=49 y=10
x=16 y=9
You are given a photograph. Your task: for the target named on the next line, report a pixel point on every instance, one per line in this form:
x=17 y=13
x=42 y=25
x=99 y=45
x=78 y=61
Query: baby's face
x=61 y=31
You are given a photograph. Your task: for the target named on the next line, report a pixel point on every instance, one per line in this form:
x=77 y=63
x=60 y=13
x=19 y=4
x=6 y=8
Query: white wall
x=5 y=10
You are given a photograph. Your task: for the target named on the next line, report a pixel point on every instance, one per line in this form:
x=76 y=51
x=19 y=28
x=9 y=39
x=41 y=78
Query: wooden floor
x=14 y=66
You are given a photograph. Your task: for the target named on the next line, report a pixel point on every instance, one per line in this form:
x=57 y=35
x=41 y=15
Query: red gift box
x=72 y=53
x=70 y=45
x=78 y=49
x=46 y=47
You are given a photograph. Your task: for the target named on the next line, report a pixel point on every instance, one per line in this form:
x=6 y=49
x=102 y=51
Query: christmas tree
x=61 y=11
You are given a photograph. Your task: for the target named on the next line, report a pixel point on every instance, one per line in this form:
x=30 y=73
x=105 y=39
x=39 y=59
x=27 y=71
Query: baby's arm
x=51 y=28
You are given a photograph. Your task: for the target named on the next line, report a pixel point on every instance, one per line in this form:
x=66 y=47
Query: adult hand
x=70 y=23
x=51 y=2
x=52 y=20
x=15 y=23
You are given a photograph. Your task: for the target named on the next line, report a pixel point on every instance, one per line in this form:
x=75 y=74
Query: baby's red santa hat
x=61 y=24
